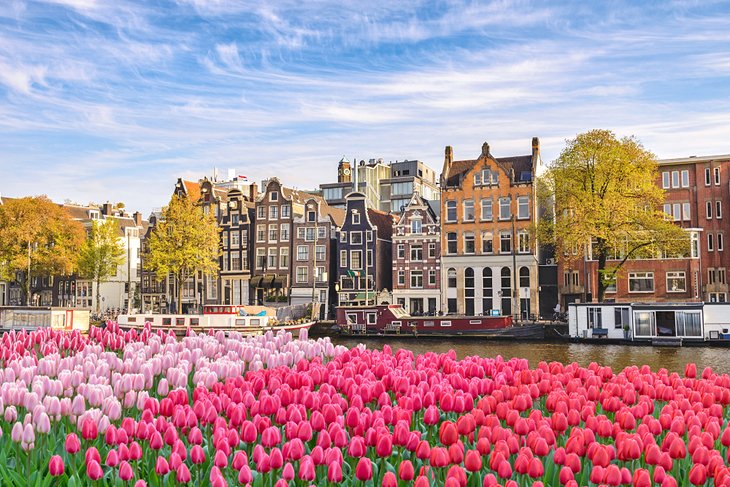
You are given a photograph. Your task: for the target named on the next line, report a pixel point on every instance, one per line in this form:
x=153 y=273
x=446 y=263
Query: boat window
x=428 y=323
x=131 y=319
x=446 y=323
x=371 y=318
x=227 y=310
x=398 y=312
x=194 y=321
x=351 y=318
x=240 y=322
x=255 y=321
x=149 y=319
x=475 y=322
x=166 y=321
x=643 y=323
x=180 y=321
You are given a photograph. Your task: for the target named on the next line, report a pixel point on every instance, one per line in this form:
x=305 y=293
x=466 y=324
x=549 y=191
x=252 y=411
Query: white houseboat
x=34 y=317
x=248 y=320
x=656 y=323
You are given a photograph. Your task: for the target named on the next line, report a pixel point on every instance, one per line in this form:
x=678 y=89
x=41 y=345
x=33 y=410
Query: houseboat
x=672 y=324
x=392 y=319
x=248 y=320
x=34 y=317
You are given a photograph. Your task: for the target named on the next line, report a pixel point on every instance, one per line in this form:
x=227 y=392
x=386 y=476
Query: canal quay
x=615 y=356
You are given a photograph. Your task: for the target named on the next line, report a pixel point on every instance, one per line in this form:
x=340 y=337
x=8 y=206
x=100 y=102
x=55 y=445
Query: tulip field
x=141 y=408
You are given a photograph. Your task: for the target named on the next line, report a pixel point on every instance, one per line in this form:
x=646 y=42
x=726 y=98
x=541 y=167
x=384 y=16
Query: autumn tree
x=37 y=238
x=605 y=197
x=101 y=254
x=183 y=242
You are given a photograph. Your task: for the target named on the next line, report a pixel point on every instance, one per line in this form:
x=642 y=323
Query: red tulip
x=306 y=469
x=613 y=475
x=389 y=480
x=245 y=475
x=422 y=481
x=140 y=483
x=448 y=434
x=92 y=454
x=197 y=455
x=112 y=459
x=566 y=474
x=690 y=371
x=364 y=469
x=73 y=445
x=182 y=474
x=641 y=478
x=439 y=457
x=697 y=474
x=473 y=461
x=406 y=471
x=220 y=460
x=504 y=470
x=287 y=473
x=55 y=466
x=93 y=470
x=334 y=472
x=384 y=447
x=125 y=471
x=536 y=468
x=161 y=466
x=89 y=429
x=156 y=441
x=669 y=481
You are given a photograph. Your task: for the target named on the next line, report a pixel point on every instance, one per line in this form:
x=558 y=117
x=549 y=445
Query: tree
x=184 y=241
x=101 y=254
x=37 y=237
x=605 y=193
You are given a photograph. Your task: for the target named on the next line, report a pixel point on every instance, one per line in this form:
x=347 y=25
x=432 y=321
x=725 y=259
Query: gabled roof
x=192 y=189
x=384 y=222
x=418 y=200
x=455 y=170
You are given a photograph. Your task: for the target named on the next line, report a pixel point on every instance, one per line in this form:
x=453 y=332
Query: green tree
x=37 y=237
x=183 y=242
x=604 y=191
x=101 y=254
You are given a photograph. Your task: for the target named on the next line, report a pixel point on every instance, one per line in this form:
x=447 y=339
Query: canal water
x=615 y=356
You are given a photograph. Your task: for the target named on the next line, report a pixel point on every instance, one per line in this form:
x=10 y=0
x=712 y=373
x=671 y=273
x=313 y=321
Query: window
x=665 y=180
x=505 y=240
x=309 y=234
x=708 y=211
x=469 y=243
x=711 y=276
x=302 y=274
x=320 y=252
x=451 y=242
x=486 y=214
x=685 y=178
x=677 y=211
x=321 y=274
x=523 y=243
x=468 y=210
x=356 y=218
x=369 y=235
x=235 y=239
x=469 y=291
x=303 y=252
x=710 y=242
x=620 y=317
x=343 y=258
x=610 y=281
x=260 y=258
x=343 y=237
x=273 y=232
x=416 y=253
x=718 y=209
x=504 y=209
x=284 y=258
x=524 y=277
x=273 y=254
x=432 y=277
x=285 y=211
x=708 y=178
x=355 y=238
x=401 y=251
x=284 y=232
x=486 y=290
x=356 y=259
x=416 y=279
x=721 y=275
x=235 y=262
x=401 y=278
x=311 y=216
x=261 y=212
x=667 y=209
x=273 y=212
x=523 y=207
x=451 y=211
x=720 y=243
x=274 y=196
x=676 y=282
x=432 y=251
x=686 y=212
x=641 y=282
x=477 y=178
x=417 y=226
x=487 y=245
x=717 y=176
x=675 y=179
x=301 y=233
x=451 y=277
x=370 y=258
x=595 y=318
x=261 y=233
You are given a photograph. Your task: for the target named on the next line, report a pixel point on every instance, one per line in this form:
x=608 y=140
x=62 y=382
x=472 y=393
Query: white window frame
x=666 y=178
x=274 y=196
x=708 y=209
x=414 y=277
x=720 y=242
x=451 y=205
x=261 y=212
x=432 y=277
x=417 y=226
x=676 y=275
x=415 y=249
x=718 y=209
x=677 y=211
x=273 y=212
x=708 y=176
x=302 y=274
x=353 y=260
x=285 y=211
x=710 y=242
x=283 y=263
x=343 y=258
x=302 y=253
x=594 y=316
x=359 y=239
x=686 y=212
x=401 y=278
x=522 y=239
x=400 y=252
x=643 y=276
x=523 y=202
x=621 y=312
x=685 y=178
x=432 y=250
x=716 y=172
x=356 y=218
x=675 y=179
x=507 y=206
x=484 y=204
x=467 y=217
x=284 y=232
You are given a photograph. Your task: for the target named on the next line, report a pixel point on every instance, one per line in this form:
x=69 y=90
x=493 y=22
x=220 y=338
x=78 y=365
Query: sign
x=496 y=312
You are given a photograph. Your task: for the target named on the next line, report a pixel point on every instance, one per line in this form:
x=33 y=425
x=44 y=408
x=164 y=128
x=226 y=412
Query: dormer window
x=274 y=196
x=356 y=219
x=93 y=214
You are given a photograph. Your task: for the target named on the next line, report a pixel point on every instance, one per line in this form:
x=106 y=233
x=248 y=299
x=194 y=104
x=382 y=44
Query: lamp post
x=313 y=207
x=515 y=311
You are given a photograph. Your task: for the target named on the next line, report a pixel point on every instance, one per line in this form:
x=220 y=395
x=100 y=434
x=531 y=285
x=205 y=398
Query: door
x=416 y=306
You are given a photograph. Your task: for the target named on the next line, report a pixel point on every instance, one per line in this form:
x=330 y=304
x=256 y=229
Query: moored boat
x=392 y=319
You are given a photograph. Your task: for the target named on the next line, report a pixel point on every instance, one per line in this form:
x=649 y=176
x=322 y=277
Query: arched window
x=524 y=277
x=451 y=273
x=487 y=290
x=506 y=291
x=469 y=291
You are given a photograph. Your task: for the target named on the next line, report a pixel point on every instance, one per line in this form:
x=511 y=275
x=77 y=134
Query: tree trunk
x=27 y=280
x=601 y=268
x=179 y=294
x=98 y=294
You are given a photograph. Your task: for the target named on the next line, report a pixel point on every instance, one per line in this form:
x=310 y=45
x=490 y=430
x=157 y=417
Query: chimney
x=253 y=191
x=137 y=216
x=535 y=147
x=106 y=209
x=485 y=150
x=448 y=160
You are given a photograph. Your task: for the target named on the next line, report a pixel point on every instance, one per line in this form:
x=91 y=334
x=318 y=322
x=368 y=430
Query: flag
x=242 y=178
x=351 y=273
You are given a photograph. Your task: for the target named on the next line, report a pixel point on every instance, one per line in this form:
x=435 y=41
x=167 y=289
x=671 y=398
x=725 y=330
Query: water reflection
x=615 y=356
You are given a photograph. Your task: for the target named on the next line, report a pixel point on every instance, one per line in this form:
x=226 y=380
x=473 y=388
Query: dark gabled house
x=364 y=248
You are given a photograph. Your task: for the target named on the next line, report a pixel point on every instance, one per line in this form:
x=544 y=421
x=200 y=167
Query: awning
x=256 y=281
x=279 y=282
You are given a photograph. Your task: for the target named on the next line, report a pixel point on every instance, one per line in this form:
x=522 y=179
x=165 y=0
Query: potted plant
x=627 y=335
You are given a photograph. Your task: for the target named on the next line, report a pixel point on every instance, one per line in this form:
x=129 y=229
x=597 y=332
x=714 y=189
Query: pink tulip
x=182 y=474
x=161 y=466
x=55 y=466
x=125 y=472
x=93 y=470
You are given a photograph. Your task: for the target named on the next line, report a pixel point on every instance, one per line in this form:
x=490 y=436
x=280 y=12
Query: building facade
x=489 y=259
x=417 y=257
x=364 y=249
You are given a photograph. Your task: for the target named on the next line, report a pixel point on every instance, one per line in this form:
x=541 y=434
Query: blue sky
x=113 y=100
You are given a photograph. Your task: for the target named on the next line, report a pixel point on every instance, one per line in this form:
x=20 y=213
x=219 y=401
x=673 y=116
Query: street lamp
x=313 y=207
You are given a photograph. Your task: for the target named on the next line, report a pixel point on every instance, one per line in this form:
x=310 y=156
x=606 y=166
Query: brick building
x=364 y=247
x=489 y=260
x=417 y=257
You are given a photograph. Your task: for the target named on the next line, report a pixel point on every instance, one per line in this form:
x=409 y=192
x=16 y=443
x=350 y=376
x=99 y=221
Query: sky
x=114 y=100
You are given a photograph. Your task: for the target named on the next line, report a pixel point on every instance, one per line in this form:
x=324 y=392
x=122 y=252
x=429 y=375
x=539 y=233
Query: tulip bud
x=125 y=471
x=55 y=466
